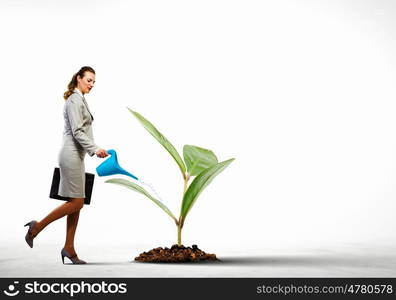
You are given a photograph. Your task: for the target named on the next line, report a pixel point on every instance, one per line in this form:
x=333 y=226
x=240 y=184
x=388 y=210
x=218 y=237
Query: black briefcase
x=89 y=181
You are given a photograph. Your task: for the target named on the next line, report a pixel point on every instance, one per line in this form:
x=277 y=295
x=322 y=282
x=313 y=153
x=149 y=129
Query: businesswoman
x=77 y=141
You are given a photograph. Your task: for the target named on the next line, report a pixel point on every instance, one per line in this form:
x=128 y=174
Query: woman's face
x=86 y=83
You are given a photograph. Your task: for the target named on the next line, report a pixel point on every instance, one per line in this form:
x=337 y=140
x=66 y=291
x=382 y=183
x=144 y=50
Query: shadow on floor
x=241 y=261
x=108 y=263
x=297 y=260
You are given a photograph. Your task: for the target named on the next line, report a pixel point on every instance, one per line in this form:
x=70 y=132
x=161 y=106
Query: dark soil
x=176 y=254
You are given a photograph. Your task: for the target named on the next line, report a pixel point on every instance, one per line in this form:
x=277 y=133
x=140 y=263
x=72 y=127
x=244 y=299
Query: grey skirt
x=72 y=170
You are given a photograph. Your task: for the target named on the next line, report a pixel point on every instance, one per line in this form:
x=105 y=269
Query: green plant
x=198 y=162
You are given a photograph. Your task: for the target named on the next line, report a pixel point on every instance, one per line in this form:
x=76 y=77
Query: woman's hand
x=101 y=153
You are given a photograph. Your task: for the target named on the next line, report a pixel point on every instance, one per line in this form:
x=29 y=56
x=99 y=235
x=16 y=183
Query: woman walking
x=77 y=141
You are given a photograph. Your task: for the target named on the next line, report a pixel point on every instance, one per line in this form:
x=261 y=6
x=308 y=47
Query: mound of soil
x=175 y=254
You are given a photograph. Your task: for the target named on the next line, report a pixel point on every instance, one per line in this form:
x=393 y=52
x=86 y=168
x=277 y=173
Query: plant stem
x=180 y=223
x=185 y=186
x=179 y=229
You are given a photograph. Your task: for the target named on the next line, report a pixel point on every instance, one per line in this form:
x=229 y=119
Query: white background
x=301 y=93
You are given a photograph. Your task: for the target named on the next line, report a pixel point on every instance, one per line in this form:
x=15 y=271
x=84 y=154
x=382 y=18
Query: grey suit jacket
x=78 y=124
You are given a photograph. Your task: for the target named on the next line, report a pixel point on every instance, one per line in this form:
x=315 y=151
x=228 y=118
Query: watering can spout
x=111 y=167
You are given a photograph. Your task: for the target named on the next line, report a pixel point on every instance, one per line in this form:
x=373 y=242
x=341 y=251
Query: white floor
x=18 y=260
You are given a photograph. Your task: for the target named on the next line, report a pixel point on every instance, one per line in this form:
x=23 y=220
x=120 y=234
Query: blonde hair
x=73 y=82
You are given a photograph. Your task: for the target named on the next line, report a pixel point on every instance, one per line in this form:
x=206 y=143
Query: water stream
x=151 y=187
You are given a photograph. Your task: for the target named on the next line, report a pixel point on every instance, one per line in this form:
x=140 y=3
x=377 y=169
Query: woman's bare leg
x=70 y=207
x=72 y=221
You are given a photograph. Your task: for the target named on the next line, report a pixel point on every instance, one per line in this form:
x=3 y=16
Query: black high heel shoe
x=74 y=259
x=29 y=236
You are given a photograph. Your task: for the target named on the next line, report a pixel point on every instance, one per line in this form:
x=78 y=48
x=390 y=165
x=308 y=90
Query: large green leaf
x=198 y=159
x=161 y=139
x=199 y=184
x=139 y=189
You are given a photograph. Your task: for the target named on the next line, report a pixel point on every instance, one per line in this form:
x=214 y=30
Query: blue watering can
x=111 y=167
